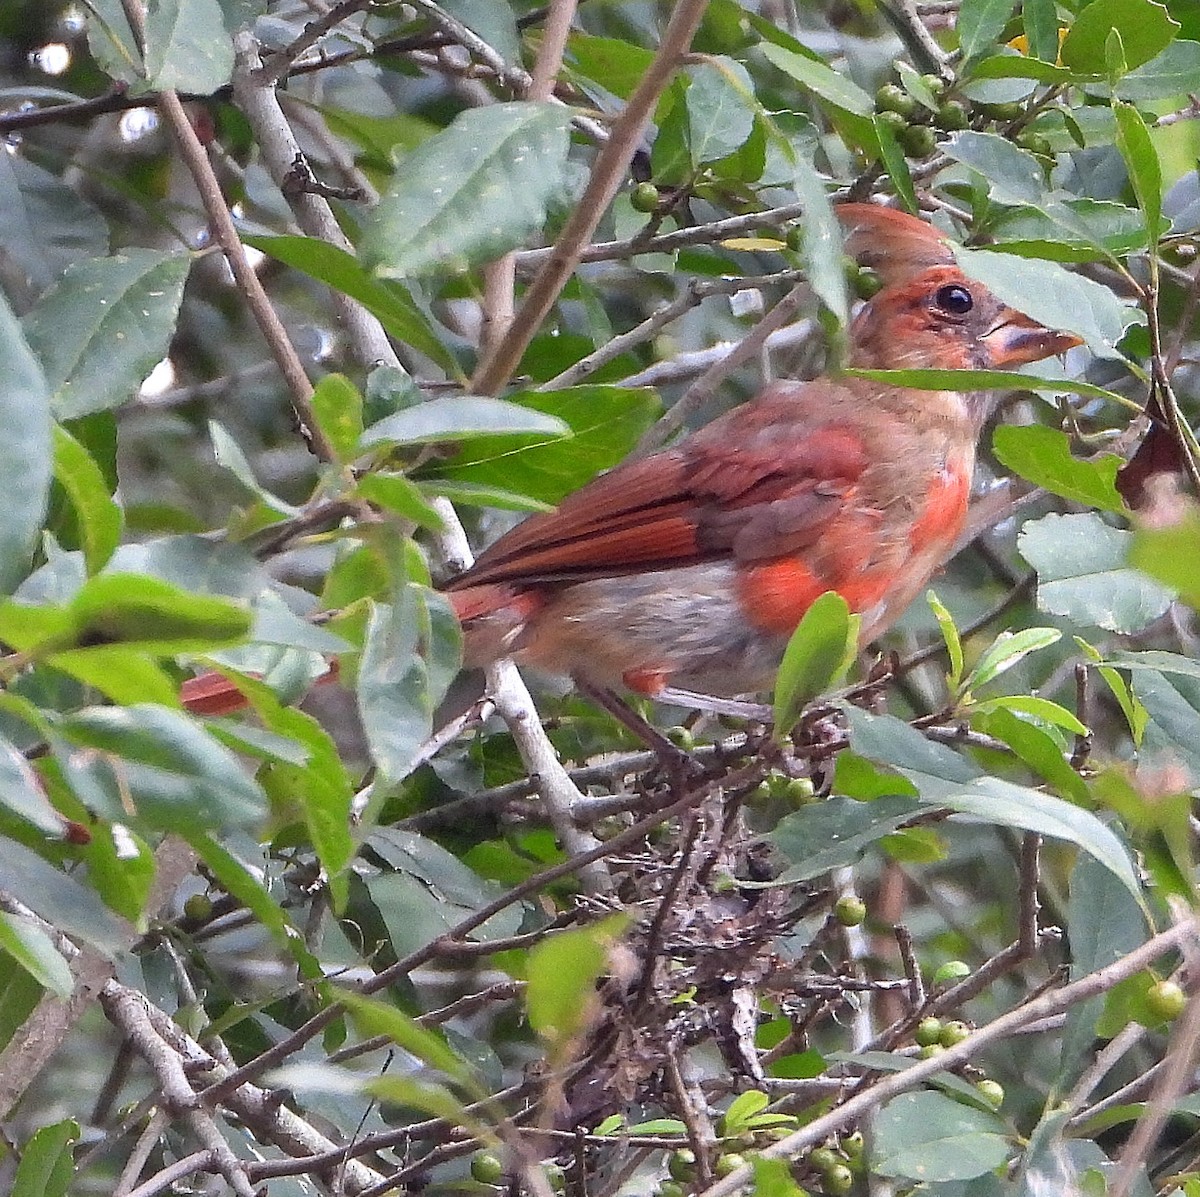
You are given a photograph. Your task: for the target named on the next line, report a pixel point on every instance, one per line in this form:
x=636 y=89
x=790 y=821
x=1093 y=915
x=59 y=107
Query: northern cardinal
x=686 y=571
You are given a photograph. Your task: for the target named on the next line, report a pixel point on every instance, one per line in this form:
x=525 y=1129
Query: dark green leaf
x=386 y=299
x=896 y=164
x=1036 y=748
x=494 y=21
x=615 y=64
x=1083 y=573
x=1041 y=28
x=1174 y=72
x=104 y=326
x=930 y=1137
x=823 y=81
x=26 y=451
x=47 y=1166
x=817 y=654
x=1145 y=29
x=157 y=766
x=1141 y=161
x=471 y=192
x=1043 y=456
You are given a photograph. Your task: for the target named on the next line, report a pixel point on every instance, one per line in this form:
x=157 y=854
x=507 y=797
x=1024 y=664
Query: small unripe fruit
x=931 y=1050
x=929 y=1030
x=953 y=1032
x=951 y=971
x=1034 y=142
x=795 y=237
x=198 y=907
x=644 y=198
x=823 y=1159
x=669 y=1188
x=487 y=1168
x=890 y=98
x=867 y=284
x=850 y=910
x=798 y=791
x=556 y=1178
x=682 y=1165
x=991 y=1091
x=728 y=1163
x=1010 y=110
x=852 y=1145
x=936 y=84
x=894 y=121
x=681 y=737
x=838 y=1181
x=1165 y=1000
x=951 y=116
x=918 y=141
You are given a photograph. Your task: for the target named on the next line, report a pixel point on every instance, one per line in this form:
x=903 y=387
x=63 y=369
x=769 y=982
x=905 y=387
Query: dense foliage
x=294 y=291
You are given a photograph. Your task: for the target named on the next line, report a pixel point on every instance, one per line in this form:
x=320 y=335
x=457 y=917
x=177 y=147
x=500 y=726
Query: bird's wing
x=759 y=482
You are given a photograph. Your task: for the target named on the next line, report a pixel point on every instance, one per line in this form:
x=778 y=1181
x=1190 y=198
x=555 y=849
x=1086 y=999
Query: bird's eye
x=954 y=300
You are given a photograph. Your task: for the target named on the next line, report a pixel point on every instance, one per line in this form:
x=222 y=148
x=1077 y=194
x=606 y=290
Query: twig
x=607 y=173
x=998 y=1029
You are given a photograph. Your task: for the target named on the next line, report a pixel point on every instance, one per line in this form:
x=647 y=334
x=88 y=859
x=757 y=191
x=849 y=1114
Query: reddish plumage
x=690 y=568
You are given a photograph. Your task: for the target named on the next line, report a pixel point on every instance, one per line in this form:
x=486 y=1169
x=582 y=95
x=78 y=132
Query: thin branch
x=608 y=171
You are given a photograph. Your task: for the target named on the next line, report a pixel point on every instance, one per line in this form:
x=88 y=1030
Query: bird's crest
x=894 y=244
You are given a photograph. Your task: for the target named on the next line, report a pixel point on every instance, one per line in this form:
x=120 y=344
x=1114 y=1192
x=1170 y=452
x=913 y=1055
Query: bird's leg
x=739 y=708
x=677 y=763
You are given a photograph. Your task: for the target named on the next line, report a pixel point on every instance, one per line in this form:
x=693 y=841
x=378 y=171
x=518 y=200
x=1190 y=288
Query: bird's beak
x=1016 y=339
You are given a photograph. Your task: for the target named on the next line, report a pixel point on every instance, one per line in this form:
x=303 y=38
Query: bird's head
x=929 y=314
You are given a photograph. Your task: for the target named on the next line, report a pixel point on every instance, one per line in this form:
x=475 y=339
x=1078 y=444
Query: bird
x=683 y=573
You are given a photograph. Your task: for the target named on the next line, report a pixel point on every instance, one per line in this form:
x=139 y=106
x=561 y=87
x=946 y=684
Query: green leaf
x=454 y=417
x=823 y=81
x=379 y=1018
x=338 y=405
x=1043 y=456
x=22 y=793
x=25 y=450
x=1041 y=28
x=720 y=107
x=1145 y=29
x=470 y=193
x=156 y=768
x=773 y=1178
x=494 y=21
x=1083 y=573
x=1114 y=57
x=930 y=1137
x=950 y=636
x=1141 y=161
x=1032 y=745
x=1006 y=650
x=187 y=46
x=981 y=380
x=604 y=422
x=821 y=246
x=99 y=516
x=1042 y=709
x=563 y=970
x=1111 y=229
x=386 y=299
x=104 y=326
x=47 y=1166
x=817 y=655
x=980 y=23
x=1174 y=72
x=617 y=65
x=739 y=1117
x=35 y=952
x=61 y=900
x=396 y=492
x=835 y=833
x=896 y=165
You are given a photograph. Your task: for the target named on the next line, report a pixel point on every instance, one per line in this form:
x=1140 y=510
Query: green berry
x=681 y=1165
x=894 y=121
x=1165 y=1000
x=1010 y=110
x=850 y=910
x=823 y=1159
x=891 y=98
x=644 y=198
x=953 y=1032
x=931 y=1050
x=867 y=283
x=952 y=970
x=918 y=141
x=795 y=237
x=852 y=1145
x=1034 y=142
x=838 y=1181
x=991 y=1091
x=198 y=907
x=730 y=1162
x=669 y=1188
x=952 y=116
x=936 y=84
x=487 y=1168
x=681 y=737
x=556 y=1178
x=929 y=1030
